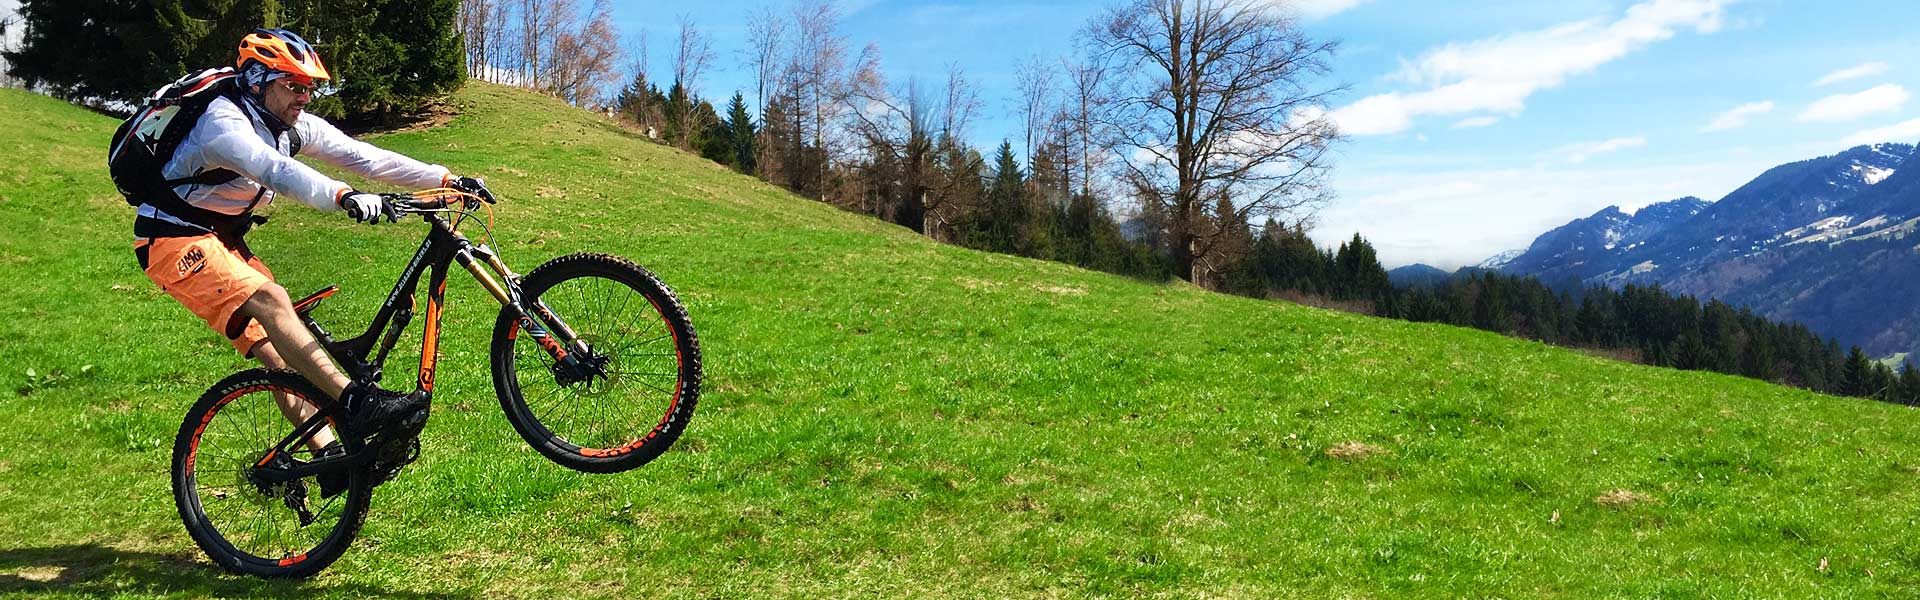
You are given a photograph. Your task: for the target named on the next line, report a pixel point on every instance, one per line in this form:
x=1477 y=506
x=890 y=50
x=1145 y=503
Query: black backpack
x=146 y=141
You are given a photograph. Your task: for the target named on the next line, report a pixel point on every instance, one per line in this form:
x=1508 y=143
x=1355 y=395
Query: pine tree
x=1909 y=386
x=82 y=49
x=1006 y=209
x=1856 y=375
x=740 y=133
x=1880 y=384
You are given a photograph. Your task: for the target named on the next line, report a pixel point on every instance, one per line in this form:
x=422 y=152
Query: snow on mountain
x=1873 y=175
x=1495 y=262
x=1584 y=247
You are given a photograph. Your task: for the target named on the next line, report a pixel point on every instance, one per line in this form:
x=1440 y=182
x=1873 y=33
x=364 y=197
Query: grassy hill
x=887 y=417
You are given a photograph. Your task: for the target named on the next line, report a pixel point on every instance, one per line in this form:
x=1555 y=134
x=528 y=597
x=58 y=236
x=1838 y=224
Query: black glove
x=475 y=186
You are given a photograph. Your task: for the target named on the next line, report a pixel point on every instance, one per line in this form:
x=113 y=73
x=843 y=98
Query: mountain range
x=1823 y=242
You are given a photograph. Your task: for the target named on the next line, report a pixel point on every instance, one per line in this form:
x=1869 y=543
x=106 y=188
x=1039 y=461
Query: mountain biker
x=201 y=258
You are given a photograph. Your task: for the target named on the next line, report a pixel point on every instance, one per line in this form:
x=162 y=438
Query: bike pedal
x=393 y=459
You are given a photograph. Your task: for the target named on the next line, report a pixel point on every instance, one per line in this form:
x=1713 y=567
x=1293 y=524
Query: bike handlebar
x=411 y=204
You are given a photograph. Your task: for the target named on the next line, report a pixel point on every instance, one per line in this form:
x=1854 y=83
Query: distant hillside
x=1821 y=241
x=885 y=416
x=1575 y=252
x=1418 y=275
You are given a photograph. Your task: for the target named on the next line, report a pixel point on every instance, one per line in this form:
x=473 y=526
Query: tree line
x=1174 y=117
x=1644 y=324
x=388 y=57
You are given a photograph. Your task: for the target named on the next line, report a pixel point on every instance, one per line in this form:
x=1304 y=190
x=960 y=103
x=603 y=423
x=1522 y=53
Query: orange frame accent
x=430 y=336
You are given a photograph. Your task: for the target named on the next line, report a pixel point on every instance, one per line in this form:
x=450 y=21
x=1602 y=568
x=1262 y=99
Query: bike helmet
x=278 y=50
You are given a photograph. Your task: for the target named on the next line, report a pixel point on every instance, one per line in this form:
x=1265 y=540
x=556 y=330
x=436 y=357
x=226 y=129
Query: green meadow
x=885 y=416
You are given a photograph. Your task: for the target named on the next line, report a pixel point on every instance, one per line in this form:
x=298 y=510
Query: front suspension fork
x=570 y=352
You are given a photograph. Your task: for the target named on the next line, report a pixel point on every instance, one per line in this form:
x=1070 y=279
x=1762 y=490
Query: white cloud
x=1737 y=117
x=1497 y=74
x=1846 y=107
x=1905 y=132
x=1476 y=122
x=1581 y=152
x=1459 y=216
x=1314 y=10
x=1854 y=72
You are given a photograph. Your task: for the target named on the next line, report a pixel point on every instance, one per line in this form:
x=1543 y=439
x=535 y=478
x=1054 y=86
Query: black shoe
x=372 y=411
x=331 y=484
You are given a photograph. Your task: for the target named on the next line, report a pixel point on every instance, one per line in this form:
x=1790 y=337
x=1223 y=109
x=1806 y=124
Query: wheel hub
x=592 y=376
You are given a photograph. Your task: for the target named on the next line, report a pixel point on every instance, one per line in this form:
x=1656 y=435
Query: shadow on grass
x=100 y=571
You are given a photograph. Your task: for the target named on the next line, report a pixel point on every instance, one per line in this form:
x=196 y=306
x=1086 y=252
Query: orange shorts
x=211 y=280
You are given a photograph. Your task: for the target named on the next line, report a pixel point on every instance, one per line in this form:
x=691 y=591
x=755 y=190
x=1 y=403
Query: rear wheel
x=643 y=375
x=245 y=523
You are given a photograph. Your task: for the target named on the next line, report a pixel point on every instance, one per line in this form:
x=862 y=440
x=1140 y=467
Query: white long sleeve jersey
x=229 y=137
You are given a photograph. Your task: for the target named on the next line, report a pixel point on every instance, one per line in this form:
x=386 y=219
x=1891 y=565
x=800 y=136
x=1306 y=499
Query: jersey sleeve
x=326 y=143
x=233 y=144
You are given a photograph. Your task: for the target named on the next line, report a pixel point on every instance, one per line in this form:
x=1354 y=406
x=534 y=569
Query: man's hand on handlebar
x=368 y=208
x=475 y=186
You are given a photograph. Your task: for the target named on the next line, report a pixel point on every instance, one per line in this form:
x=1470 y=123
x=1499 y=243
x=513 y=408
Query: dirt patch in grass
x=1622 y=499
x=1351 y=451
x=38 y=574
x=976 y=284
x=434 y=115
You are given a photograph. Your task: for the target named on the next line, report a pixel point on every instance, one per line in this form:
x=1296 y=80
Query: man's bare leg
x=295 y=345
x=274 y=310
x=296 y=411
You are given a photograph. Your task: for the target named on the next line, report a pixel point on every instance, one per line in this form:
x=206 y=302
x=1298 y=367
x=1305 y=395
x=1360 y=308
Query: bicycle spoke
x=630 y=343
x=256 y=523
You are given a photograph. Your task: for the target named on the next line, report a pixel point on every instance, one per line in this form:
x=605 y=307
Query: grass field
x=886 y=417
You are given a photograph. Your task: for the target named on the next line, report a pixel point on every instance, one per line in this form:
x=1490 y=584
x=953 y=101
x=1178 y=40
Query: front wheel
x=641 y=377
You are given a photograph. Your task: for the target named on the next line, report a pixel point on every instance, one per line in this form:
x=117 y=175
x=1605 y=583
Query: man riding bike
x=237 y=158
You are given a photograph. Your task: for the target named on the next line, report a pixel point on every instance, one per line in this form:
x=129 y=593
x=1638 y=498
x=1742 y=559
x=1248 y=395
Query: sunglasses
x=297 y=88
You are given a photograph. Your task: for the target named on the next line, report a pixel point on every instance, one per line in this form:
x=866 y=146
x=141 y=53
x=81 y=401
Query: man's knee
x=269 y=299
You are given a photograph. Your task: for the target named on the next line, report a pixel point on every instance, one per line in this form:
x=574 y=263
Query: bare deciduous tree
x=766 y=36
x=473 y=30
x=1033 y=98
x=499 y=50
x=1212 y=100
x=9 y=25
x=533 y=18
x=891 y=128
x=694 y=54
x=818 y=73
x=691 y=57
x=961 y=104
x=583 y=60
x=1086 y=99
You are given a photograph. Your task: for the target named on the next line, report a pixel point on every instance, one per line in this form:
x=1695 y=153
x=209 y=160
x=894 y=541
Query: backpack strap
x=213 y=177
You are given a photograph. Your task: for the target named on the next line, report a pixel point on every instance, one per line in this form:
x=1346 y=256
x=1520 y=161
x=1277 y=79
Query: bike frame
x=443 y=247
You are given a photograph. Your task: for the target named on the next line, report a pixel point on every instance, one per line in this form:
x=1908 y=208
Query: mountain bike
x=594 y=360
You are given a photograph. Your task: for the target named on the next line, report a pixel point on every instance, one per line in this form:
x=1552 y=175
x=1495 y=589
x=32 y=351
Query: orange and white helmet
x=278 y=50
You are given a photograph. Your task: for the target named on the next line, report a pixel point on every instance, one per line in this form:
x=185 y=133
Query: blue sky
x=1474 y=128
